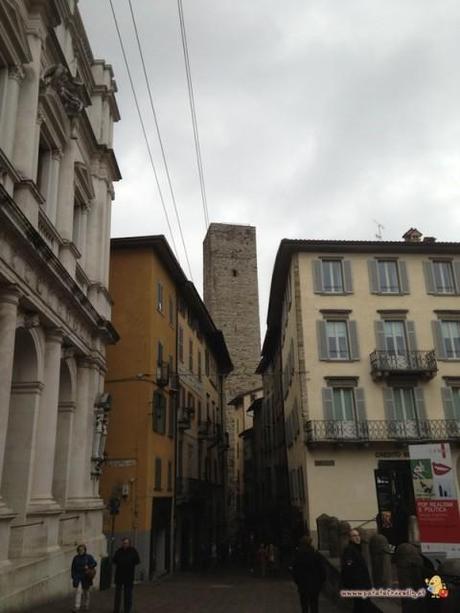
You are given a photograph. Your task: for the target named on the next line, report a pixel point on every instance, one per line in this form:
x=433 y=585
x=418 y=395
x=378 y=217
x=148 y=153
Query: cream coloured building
x=369 y=337
x=57 y=165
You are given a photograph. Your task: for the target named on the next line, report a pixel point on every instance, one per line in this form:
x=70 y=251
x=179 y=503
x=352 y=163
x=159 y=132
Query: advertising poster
x=435 y=490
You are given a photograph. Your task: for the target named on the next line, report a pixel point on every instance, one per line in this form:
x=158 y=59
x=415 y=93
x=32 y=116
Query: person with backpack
x=83 y=571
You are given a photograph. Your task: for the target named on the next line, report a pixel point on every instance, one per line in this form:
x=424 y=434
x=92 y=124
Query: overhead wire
x=160 y=140
x=193 y=112
x=144 y=131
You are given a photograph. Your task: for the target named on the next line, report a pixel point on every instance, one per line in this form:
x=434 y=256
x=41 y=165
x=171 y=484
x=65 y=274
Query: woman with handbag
x=83 y=571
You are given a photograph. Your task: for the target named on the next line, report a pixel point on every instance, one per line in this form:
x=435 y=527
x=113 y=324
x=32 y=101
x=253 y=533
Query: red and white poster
x=435 y=490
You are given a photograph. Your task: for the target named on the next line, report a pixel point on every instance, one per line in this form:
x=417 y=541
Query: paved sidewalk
x=217 y=592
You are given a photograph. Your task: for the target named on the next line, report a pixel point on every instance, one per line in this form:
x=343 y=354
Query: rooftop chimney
x=412 y=236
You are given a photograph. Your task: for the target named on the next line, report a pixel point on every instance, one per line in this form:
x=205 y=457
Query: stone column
x=66 y=191
x=10 y=111
x=45 y=438
x=79 y=486
x=9 y=298
x=24 y=143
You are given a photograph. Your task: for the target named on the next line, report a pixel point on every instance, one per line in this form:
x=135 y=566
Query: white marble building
x=57 y=109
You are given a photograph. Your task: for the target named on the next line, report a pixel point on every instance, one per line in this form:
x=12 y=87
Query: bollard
x=380 y=561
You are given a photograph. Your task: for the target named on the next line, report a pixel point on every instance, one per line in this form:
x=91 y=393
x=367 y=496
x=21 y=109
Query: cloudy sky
x=316 y=118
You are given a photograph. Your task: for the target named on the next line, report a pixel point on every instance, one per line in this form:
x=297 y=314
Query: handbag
x=90 y=573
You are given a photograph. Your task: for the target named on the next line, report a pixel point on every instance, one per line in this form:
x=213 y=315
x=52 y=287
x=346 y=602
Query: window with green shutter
x=157 y=485
x=159 y=413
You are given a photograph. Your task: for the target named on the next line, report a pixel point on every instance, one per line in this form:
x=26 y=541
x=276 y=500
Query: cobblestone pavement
x=217 y=592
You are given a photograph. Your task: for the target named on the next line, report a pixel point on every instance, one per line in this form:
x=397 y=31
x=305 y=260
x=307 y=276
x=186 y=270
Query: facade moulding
x=54 y=276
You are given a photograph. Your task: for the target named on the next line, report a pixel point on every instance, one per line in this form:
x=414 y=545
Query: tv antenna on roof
x=380 y=227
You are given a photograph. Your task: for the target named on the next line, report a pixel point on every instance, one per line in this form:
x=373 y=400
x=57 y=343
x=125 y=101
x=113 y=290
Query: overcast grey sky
x=316 y=118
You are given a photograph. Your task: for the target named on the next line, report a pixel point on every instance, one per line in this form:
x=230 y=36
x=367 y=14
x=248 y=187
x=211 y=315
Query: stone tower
x=232 y=297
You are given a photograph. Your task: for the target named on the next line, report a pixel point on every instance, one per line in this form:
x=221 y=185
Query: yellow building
x=369 y=339
x=150 y=292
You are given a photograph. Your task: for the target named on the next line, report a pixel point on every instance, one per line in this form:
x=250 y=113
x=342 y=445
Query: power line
x=143 y=126
x=160 y=140
x=193 y=112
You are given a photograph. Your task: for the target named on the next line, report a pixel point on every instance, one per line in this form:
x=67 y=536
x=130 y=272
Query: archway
x=24 y=401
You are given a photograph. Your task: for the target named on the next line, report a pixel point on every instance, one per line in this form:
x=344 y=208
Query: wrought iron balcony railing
x=386 y=363
x=330 y=431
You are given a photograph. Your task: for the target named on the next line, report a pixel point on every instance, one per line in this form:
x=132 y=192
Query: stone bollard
x=344 y=535
x=333 y=537
x=411 y=573
x=414 y=533
x=365 y=537
x=380 y=561
x=323 y=536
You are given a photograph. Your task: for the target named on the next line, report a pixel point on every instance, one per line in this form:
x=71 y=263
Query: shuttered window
x=157 y=485
x=405 y=411
x=332 y=276
x=337 y=340
x=442 y=277
x=388 y=277
x=159 y=413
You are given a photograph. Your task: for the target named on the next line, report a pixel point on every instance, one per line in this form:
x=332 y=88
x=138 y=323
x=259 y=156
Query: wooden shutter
x=158 y=473
x=347 y=278
x=411 y=336
x=438 y=340
x=403 y=278
x=421 y=411
x=361 y=415
x=448 y=402
x=379 y=335
x=317 y=276
x=322 y=340
x=373 y=277
x=429 y=278
x=456 y=268
x=354 y=345
x=388 y=403
x=360 y=404
x=172 y=405
x=328 y=410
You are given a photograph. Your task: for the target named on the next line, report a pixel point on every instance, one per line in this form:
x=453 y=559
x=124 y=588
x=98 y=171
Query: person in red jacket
x=125 y=559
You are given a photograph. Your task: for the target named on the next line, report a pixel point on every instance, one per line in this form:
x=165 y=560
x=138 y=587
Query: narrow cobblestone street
x=210 y=593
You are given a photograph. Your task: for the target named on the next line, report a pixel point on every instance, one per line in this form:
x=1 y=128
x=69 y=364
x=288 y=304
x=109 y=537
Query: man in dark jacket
x=309 y=574
x=355 y=575
x=125 y=559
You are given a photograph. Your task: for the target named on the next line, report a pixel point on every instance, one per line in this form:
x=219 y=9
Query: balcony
x=378 y=431
x=389 y=363
x=184 y=417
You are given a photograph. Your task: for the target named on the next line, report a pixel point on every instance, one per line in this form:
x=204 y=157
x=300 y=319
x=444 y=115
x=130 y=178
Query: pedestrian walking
x=355 y=574
x=125 y=559
x=309 y=574
x=82 y=571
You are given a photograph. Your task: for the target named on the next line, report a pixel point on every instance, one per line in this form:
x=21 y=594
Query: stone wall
x=232 y=297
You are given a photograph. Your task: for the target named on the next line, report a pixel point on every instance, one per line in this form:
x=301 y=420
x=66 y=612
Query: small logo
x=441 y=469
x=436 y=587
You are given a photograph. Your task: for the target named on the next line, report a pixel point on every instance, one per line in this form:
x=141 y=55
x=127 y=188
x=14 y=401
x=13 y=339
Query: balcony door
x=405 y=412
x=343 y=412
x=396 y=343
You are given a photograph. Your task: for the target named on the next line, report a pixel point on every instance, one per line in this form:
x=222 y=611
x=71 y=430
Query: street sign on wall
x=435 y=490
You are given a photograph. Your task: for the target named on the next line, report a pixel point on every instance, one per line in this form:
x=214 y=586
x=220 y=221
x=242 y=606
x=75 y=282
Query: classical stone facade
x=57 y=107
x=232 y=298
